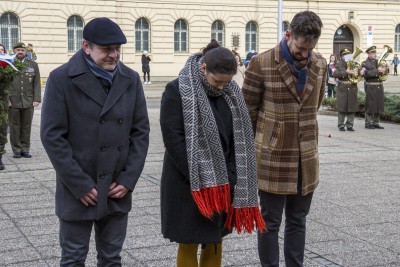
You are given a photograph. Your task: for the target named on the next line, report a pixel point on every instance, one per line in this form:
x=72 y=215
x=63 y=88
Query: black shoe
x=1 y=165
x=378 y=127
x=17 y=155
x=26 y=155
x=369 y=126
x=342 y=129
x=350 y=129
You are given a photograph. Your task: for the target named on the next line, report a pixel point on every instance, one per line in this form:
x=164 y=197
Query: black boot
x=1 y=165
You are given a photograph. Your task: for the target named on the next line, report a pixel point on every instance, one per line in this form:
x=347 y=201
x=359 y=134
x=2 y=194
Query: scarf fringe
x=245 y=219
x=212 y=199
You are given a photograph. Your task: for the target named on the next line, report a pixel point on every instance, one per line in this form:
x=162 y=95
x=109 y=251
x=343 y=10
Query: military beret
x=345 y=51
x=103 y=31
x=371 y=49
x=19 y=45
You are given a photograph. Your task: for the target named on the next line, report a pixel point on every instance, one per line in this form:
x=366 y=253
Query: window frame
x=74 y=42
x=218 y=34
x=180 y=32
x=140 y=30
x=10 y=33
x=397 y=38
x=249 y=34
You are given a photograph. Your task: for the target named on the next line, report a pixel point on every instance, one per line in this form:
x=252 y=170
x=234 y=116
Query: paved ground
x=354 y=219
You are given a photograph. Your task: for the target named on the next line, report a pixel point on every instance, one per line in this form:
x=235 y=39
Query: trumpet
x=355 y=67
x=382 y=62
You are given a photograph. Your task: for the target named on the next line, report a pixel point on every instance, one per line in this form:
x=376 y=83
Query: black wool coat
x=181 y=220
x=92 y=138
x=146 y=63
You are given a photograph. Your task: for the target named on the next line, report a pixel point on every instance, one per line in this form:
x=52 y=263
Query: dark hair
x=219 y=59
x=306 y=24
x=5 y=50
x=235 y=53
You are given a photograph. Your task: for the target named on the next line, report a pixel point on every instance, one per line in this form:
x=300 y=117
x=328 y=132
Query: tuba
x=382 y=62
x=355 y=67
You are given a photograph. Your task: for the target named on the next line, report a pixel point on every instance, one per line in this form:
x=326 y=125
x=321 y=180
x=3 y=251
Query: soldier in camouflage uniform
x=24 y=96
x=3 y=115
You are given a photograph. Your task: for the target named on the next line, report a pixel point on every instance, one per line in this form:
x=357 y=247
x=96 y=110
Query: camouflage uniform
x=3 y=122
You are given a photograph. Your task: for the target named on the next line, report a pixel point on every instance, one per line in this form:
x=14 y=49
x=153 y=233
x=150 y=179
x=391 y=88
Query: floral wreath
x=8 y=67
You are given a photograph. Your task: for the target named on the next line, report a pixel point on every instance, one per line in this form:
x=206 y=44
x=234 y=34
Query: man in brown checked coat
x=284 y=88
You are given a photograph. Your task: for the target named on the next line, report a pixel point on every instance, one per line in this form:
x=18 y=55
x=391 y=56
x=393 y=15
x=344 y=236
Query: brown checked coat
x=285 y=124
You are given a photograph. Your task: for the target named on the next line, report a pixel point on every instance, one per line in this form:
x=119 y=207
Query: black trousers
x=148 y=76
x=296 y=209
x=110 y=233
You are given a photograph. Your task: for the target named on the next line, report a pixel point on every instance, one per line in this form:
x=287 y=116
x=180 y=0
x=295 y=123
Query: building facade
x=172 y=30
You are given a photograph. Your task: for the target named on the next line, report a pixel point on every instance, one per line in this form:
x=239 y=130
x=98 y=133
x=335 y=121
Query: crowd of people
x=241 y=140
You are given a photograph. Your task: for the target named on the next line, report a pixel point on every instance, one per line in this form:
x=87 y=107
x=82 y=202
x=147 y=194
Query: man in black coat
x=95 y=130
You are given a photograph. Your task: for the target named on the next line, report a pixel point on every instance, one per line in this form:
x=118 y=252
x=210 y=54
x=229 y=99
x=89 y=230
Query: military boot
x=1 y=165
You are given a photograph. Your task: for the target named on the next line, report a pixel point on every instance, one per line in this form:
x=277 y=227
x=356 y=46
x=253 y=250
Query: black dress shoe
x=378 y=127
x=26 y=155
x=350 y=129
x=17 y=155
x=369 y=126
x=342 y=129
x=1 y=165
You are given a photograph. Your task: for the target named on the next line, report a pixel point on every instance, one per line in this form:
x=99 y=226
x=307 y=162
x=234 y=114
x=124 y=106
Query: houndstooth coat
x=285 y=125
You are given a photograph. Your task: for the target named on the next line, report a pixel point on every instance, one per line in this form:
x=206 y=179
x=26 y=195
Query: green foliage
x=392 y=106
x=7 y=74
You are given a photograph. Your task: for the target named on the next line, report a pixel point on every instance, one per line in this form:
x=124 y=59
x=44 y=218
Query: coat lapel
x=285 y=72
x=83 y=78
x=120 y=83
x=312 y=76
x=287 y=76
x=91 y=86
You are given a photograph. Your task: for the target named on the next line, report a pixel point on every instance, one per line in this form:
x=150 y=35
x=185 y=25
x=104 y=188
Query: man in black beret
x=95 y=130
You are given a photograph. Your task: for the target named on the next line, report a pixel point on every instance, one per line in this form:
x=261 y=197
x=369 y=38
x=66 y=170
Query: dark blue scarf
x=106 y=77
x=299 y=70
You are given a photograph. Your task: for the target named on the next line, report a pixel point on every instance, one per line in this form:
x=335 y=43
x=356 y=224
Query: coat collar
x=287 y=77
x=84 y=79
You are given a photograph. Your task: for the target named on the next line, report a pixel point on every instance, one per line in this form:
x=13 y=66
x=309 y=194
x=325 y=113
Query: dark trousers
x=331 y=90
x=395 y=70
x=3 y=123
x=110 y=233
x=296 y=209
x=148 y=76
x=20 y=128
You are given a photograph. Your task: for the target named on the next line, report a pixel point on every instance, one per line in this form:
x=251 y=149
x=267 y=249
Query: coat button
x=101 y=176
x=120 y=121
x=103 y=148
x=101 y=121
x=120 y=148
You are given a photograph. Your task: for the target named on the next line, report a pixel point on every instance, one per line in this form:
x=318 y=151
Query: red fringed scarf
x=208 y=172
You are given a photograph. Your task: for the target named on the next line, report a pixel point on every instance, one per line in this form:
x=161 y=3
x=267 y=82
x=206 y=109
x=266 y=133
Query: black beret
x=103 y=31
x=345 y=51
x=371 y=49
x=19 y=45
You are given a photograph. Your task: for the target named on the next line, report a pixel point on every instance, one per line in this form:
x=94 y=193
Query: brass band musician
x=374 y=91
x=346 y=90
